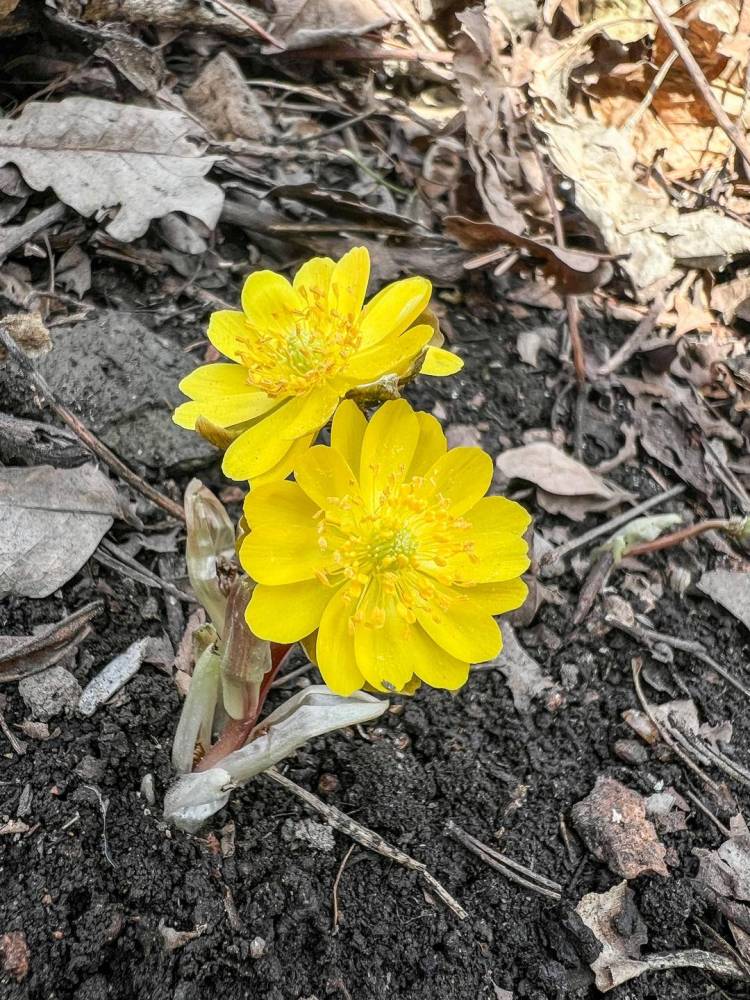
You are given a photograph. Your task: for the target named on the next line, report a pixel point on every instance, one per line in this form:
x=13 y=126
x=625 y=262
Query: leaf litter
x=523 y=156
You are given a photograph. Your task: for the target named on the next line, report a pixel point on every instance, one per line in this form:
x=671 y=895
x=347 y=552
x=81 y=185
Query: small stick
x=89 y=439
x=676 y=537
x=367 y=838
x=336 y=881
x=665 y=733
x=379 y=53
x=707 y=812
x=616 y=522
x=645 y=104
x=681 y=47
x=12 y=237
x=511 y=869
x=571 y=303
x=15 y=743
x=634 y=341
x=650 y=636
x=251 y=24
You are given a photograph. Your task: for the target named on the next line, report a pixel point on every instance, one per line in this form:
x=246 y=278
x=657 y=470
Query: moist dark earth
x=91 y=906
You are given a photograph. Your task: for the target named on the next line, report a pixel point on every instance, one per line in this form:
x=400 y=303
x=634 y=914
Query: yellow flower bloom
x=297 y=349
x=387 y=546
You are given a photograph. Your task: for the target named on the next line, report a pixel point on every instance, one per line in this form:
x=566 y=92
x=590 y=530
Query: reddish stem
x=237 y=731
x=667 y=541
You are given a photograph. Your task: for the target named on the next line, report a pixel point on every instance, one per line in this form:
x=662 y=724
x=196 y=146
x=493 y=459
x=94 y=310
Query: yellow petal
x=312 y=280
x=270 y=303
x=334 y=647
x=498 y=514
x=387 y=448
x=433 y=664
x=462 y=476
x=314 y=411
x=228 y=332
x=263 y=446
x=289 y=612
x=224 y=411
x=496 y=556
x=499 y=598
x=394 y=309
x=462 y=629
x=324 y=474
x=282 y=468
x=347 y=432
x=309 y=644
x=440 y=362
x=282 y=546
x=430 y=447
x=384 y=654
x=388 y=358
x=216 y=380
x=279 y=503
x=349 y=284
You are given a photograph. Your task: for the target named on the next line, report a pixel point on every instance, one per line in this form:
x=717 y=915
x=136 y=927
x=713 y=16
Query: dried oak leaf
x=612 y=823
x=51 y=520
x=99 y=155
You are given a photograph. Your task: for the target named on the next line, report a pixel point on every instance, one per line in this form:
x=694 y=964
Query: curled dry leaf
x=612 y=823
x=635 y=217
x=99 y=155
x=29 y=332
x=116 y=674
x=51 y=521
x=21 y=656
x=573 y=271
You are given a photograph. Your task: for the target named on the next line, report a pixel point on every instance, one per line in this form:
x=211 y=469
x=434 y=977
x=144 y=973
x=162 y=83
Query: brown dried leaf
x=29 y=332
x=573 y=271
x=546 y=466
x=730 y=590
x=100 y=155
x=612 y=823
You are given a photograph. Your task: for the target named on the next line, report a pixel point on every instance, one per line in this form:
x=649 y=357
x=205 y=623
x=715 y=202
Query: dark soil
x=90 y=900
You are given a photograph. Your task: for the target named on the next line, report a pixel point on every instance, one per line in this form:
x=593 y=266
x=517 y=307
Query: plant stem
x=676 y=537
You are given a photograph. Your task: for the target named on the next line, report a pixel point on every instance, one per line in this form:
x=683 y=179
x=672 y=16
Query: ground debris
x=52 y=520
x=50 y=693
x=612 y=822
x=616 y=923
x=14 y=952
x=115 y=675
x=525 y=677
x=174 y=939
x=102 y=155
x=730 y=590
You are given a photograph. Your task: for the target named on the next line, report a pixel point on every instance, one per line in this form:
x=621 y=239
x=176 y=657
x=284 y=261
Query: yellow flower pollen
x=409 y=540
x=303 y=349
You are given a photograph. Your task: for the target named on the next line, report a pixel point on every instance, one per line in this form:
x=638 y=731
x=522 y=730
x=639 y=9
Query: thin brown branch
x=677 y=537
x=336 y=881
x=725 y=123
x=84 y=434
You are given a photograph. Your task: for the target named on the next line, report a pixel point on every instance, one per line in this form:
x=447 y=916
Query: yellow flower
x=387 y=546
x=297 y=349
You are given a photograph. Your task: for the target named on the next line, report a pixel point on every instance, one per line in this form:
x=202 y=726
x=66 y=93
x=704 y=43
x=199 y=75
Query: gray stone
x=50 y=693
x=121 y=378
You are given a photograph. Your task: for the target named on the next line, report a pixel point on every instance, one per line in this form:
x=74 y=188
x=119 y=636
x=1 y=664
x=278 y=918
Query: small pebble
x=630 y=751
x=147 y=789
x=257 y=948
x=327 y=783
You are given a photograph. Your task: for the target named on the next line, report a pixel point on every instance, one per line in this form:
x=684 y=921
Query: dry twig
x=511 y=869
x=367 y=838
x=86 y=436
